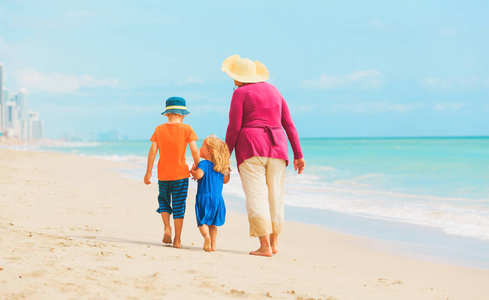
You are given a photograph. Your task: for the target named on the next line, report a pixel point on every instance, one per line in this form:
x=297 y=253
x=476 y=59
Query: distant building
x=21 y=99
x=12 y=115
x=2 y=101
x=15 y=118
x=108 y=136
x=12 y=119
x=3 y=109
x=35 y=128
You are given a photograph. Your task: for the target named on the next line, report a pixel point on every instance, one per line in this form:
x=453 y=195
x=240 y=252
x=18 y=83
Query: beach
x=73 y=227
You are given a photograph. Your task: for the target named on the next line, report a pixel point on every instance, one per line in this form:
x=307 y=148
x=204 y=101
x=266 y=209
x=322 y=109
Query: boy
x=171 y=140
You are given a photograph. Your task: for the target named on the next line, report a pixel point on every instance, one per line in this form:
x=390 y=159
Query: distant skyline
x=349 y=69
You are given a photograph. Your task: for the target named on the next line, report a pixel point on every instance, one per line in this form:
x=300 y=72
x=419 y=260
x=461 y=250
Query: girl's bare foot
x=167 y=236
x=262 y=252
x=207 y=243
x=177 y=243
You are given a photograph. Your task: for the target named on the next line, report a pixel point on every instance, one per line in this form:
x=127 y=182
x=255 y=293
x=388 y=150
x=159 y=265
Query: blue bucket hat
x=176 y=105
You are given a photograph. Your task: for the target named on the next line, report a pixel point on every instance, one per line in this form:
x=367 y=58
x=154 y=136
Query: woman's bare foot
x=262 y=252
x=274 y=248
x=207 y=243
x=274 y=243
x=167 y=236
x=177 y=243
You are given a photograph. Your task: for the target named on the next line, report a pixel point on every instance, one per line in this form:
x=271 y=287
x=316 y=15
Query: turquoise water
x=437 y=182
x=442 y=167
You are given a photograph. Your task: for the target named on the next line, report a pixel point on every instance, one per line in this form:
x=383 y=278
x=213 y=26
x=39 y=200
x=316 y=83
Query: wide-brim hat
x=244 y=69
x=176 y=105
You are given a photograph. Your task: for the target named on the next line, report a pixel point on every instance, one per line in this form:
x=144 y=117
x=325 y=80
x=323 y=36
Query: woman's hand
x=299 y=165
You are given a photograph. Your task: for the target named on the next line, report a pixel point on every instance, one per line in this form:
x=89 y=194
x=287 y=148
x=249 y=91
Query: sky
x=346 y=68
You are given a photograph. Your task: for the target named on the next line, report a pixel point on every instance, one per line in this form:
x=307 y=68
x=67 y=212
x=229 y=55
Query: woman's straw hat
x=244 y=70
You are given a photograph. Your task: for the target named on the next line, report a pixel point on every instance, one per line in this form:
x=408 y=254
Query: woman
x=257 y=119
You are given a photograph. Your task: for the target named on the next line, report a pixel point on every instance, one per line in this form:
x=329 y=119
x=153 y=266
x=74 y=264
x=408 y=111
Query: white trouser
x=263 y=183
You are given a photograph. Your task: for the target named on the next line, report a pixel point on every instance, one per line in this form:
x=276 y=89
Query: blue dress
x=209 y=204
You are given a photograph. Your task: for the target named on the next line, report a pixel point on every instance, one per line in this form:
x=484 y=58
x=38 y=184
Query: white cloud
x=448 y=32
x=363 y=79
x=83 y=15
x=59 y=83
x=375 y=107
x=377 y=25
x=456 y=83
x=449 y=106
x=190 y=80
x=6 y=49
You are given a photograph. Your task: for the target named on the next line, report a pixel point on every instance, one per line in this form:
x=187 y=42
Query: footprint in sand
x=238 y=293
x=105 y=253
x=386 y=281
x=98 y=245
x=63 y=244
x=37 y=273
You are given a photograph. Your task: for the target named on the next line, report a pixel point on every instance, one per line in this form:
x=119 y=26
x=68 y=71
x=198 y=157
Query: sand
x=73 y=228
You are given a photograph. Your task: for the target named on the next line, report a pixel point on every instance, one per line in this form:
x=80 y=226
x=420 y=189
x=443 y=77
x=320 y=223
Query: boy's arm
x=195 y=152
x=151 y=160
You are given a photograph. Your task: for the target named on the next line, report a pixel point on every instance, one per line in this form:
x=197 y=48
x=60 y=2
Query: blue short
x=172 y=197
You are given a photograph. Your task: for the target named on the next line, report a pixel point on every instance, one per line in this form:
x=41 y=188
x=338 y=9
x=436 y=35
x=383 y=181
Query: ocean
x=424 y=196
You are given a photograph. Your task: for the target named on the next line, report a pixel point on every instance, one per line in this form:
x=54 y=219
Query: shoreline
x=418 y=242
x=73 y=227
x=404 y=239
x=399 y=238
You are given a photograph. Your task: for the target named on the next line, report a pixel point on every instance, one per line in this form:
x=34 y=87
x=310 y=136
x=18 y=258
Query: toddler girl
x=211 y=173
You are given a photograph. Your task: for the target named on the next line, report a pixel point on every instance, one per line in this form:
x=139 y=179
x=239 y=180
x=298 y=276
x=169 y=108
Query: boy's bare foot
x=167 y=236
x=262 y=252
x=177 y=243
x=207 y=243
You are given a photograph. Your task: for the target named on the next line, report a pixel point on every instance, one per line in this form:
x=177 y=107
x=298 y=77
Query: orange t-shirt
x=172 y=140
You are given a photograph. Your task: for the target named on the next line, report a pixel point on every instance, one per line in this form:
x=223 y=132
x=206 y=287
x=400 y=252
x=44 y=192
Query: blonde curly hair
x=219 y=153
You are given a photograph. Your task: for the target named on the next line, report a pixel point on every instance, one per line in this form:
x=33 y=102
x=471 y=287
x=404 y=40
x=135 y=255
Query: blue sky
x=346 y=68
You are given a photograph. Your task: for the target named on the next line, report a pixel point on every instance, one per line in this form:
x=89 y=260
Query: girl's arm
x=227 y=177
x=151 y=160
x=196 y=173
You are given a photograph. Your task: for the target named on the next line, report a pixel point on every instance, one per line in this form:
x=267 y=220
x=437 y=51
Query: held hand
x=299 y=165
x=192 y=172
x=147 y=178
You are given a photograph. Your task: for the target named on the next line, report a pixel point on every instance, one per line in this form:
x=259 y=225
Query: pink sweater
x=257 y=119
